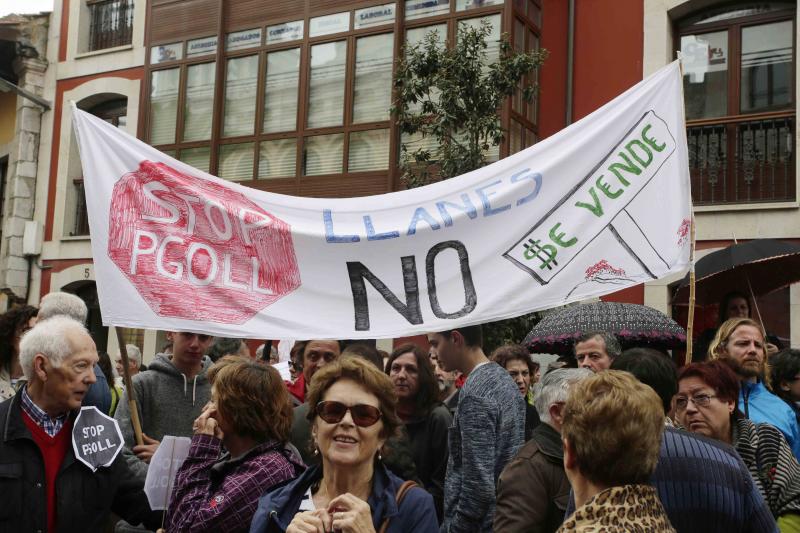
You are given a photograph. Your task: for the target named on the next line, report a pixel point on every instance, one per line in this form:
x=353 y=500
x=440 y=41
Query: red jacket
x=298 y=388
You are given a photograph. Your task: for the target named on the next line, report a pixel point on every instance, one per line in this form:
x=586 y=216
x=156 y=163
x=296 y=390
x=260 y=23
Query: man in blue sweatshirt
x=741 y=343
x=488 y=429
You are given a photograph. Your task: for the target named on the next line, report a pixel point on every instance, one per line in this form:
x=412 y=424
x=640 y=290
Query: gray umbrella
x=634 y=325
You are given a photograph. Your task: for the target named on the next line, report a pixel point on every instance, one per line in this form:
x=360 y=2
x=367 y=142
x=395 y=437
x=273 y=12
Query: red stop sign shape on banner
x=197 y=250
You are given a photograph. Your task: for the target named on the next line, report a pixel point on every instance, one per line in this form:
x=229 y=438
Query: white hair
x=134 y=354
x=50 y=339
x=554 y=388
x=63 y=303
x=260 y=351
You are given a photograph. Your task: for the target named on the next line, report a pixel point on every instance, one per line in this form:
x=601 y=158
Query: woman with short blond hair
x=612 y=434
x=250 y=415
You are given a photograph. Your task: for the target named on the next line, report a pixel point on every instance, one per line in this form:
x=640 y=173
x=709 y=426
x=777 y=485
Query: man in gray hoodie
x=169 y=396
x=487 y=431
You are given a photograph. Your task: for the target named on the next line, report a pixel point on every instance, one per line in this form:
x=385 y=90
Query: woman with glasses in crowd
x=353 y=414
x=706 y=403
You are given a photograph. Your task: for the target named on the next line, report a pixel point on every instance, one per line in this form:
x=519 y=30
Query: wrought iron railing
x=111 y=23
x=742 y=160
x=81 y=224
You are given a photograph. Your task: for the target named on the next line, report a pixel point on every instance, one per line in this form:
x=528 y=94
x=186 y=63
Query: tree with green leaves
x=450 y=98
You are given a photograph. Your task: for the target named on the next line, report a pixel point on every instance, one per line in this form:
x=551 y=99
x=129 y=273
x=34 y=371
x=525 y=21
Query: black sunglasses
x=363 y=415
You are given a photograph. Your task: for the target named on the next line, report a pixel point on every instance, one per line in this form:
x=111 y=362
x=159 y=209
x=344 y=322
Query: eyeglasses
x=701 y=400
x=363 y=415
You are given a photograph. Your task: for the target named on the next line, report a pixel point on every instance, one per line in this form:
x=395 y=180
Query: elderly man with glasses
x=44 y=487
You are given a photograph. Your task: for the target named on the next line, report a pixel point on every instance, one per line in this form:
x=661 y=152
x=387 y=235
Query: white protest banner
x=602 y=205
x=96 y=438
x=164 y=465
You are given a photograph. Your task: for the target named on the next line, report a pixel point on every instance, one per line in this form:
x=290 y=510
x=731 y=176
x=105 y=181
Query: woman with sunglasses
x=350 y=491
x=706 y=403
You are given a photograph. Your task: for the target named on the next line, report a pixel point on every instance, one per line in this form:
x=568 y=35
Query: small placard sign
x=96 y=438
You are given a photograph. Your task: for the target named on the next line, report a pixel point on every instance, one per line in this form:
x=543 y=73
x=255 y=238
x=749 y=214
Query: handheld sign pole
x=690 y=319
x=126 y=378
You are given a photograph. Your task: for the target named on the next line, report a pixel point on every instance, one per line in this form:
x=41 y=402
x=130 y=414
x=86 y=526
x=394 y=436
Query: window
x=164 y=105
x=236 y=161
x=199 y=103
x=277 y=158
x=302 y=97
x=326 y=84
x=739 y=97
x=110 y=23
x=241 y=82
x=523 y=127
x=199 y=158
x=323 y=155
x=373 y=79
x=280 y=93
x=115 y=112
x=369 y=150
x=493 y=41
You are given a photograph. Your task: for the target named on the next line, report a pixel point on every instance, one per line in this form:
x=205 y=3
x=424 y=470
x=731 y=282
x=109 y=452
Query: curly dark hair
x=783 y=367
x=12 y=324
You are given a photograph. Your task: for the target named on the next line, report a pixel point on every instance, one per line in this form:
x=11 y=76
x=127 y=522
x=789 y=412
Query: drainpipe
x=570 y=61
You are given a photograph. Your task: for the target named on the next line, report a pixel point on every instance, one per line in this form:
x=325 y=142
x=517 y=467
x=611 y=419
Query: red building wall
x=608 y=51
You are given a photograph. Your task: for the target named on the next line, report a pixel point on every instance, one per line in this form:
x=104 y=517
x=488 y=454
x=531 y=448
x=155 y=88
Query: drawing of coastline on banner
x=602 y=205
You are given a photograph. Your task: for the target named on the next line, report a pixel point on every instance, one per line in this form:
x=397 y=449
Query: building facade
x=293 y=96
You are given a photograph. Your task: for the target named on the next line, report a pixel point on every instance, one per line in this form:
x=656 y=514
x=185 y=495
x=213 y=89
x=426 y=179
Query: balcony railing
x=81 y=224
x=742 y=160
x=111 y=23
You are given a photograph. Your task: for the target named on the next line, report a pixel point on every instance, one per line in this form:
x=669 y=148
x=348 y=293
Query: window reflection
x=372 y=92
x=241 y=82
x=766 y=67
x=198 y=109
x=280 y=93
x=705 y=74
x=326 y=86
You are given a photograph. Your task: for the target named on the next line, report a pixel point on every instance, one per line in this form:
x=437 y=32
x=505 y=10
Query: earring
x=316 y=450
x=379 y=456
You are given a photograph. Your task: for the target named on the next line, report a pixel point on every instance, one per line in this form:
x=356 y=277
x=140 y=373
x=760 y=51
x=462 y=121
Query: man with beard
x=740 y=342
x=448 y=392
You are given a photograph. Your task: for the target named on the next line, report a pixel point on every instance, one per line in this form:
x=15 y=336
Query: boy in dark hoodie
x=169 y=397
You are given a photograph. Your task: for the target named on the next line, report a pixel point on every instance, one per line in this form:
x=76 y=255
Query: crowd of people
x=441 y=438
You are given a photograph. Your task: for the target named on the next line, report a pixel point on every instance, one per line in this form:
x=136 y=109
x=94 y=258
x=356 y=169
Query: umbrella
x=759 y=266
x=634 y=325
